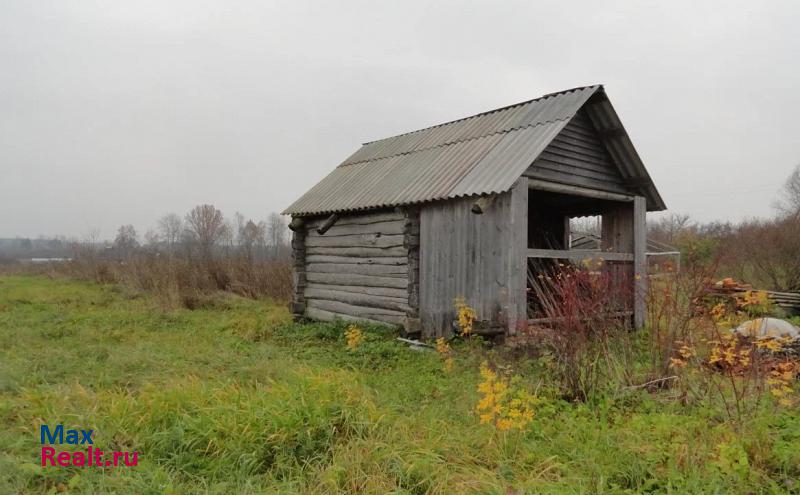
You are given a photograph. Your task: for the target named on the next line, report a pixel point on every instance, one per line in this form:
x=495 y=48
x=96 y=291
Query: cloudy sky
x=119 y=112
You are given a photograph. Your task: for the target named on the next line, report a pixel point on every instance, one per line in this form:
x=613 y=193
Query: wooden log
x=327 y=224
x=382 y=270
x=363 y=300
x=296 y=224
x=360 y=240
x=411 y=241
x=322 y=315
x=357 y=289
x=363 y=252
x=352 y=279
x=359 y=218
x=317 y=258
x=579 y=254
x=358 y=312
x=482 y=204
x=543 y=185
x=389 y=227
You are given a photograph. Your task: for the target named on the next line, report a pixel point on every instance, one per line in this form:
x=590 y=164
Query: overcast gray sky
x=119 y=112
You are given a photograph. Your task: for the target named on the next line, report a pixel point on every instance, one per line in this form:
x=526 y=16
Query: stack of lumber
x=789 y=301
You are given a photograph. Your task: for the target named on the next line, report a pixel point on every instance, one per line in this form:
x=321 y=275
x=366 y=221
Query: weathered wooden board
x=579 y=254
x=478 y=257
x=361 y=252
x=340 y=308
x=358 y=218
x=358 y=240
x=363 y=300
x=381 y=270
x=353 y=279
x=318 y=258
x=577 y=156
x=390 y=227
x=639 y=261
x=358 y=289
x=322 y=315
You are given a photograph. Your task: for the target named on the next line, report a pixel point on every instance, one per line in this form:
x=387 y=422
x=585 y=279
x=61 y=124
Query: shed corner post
x=298 y=305
x=517 y=312
x=639 y=261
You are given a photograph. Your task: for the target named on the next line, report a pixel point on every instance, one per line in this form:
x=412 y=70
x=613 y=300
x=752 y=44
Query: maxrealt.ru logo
x=90 y=457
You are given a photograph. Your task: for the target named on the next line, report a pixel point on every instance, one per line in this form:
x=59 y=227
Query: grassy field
x=233 y=398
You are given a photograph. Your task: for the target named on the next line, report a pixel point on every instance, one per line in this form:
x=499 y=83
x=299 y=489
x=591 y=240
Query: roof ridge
x=449 y=143
x=543 y=97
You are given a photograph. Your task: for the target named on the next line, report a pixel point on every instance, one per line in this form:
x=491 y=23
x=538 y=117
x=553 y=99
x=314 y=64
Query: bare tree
x=789 y=201
x=276 y=230
x=170 y=227
x=228 y=237
x=251 y=235
x=669 y=228
x=206 y=225
x=240 y=223
x=126 y=241
x=152 y=238
x=770 y=248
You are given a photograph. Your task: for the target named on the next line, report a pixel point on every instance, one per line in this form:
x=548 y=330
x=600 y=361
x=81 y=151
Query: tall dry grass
x=181 y=281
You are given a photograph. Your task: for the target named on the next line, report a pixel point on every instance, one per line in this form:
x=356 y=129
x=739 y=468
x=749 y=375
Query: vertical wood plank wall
x=478 y=257
x=617 y=235
x=358 y=270
x=624 y=230
x=639 y=261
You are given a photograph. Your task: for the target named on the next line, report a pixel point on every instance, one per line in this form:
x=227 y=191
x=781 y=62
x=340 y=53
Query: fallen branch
x=415 y=343
x=651 y=382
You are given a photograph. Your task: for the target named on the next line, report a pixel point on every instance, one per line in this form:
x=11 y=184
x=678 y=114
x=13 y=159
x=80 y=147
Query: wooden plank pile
x=789 y=301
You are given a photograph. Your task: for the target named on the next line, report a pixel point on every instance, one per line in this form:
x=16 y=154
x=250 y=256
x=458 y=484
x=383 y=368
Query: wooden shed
x=407 y=224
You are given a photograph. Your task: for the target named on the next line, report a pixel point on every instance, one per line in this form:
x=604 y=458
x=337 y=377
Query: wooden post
x=411 y=234
x=517 y=310
x=298 y=305
x=639 y=261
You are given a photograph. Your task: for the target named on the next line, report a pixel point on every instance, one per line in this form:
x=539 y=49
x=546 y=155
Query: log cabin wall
x=298 y=304
x=478 y=257
x=358 y=269
x=411 y=241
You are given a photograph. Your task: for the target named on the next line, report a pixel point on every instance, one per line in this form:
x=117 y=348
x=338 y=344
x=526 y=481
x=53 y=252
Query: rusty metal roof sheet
x=476 y=155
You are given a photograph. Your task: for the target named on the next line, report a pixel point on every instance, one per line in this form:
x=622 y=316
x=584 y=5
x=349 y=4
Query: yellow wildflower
x=354 y=336
x=466 y=316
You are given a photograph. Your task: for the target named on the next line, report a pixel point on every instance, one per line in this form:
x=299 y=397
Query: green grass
x=232 y=398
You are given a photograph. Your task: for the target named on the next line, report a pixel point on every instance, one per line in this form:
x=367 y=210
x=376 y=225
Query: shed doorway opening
x=580 y=257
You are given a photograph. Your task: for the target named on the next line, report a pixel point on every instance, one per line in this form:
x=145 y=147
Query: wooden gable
x=578 y=157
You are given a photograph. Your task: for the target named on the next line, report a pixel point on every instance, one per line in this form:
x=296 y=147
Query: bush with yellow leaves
x=445 y=352
x=504 y=403
x=466 y=316
x=354 y=336
x=737 y=371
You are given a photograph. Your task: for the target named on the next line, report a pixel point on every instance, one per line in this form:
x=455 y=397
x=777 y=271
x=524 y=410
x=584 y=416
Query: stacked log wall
x=298 y=304
x=411 y=242
x=358 y=269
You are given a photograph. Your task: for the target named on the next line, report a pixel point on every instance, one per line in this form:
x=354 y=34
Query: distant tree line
x=762 y=252
x=205 y=234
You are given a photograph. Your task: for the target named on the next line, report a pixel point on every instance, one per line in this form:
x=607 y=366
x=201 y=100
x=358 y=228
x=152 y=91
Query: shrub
x=588 y=326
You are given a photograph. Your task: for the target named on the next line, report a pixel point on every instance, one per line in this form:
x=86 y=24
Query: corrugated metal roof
x=481 y=154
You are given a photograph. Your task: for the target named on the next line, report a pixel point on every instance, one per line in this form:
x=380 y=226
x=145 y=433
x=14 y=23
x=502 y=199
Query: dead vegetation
x=185 y=263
